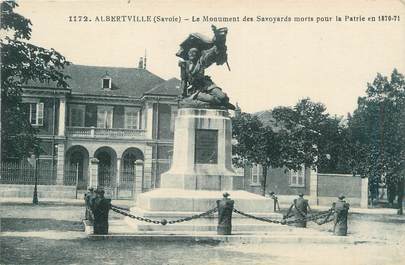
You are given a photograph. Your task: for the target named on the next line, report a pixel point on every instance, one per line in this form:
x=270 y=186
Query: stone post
x=60 y=166
x=313 y=186
x=364 y=193
x=93 y=172
x=118 y=177
x=62 y=115
x=138 y=177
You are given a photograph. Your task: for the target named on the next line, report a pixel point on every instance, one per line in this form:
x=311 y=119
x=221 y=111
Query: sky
x=272 y=64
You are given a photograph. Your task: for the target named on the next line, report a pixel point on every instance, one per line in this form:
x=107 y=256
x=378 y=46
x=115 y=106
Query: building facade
x=109 y=118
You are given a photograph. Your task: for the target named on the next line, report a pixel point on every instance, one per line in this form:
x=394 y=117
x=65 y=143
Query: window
x=297 y=178
x=256 y=174
x=37 y=114
x=76 y=115
x=131 y=118
x=106 y=83
x=104 y=117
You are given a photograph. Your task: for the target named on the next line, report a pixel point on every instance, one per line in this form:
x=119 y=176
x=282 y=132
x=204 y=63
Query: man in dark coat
x=101 y=207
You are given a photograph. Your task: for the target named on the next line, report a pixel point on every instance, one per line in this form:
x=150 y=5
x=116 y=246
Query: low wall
x=330 y=186
x=44 y=191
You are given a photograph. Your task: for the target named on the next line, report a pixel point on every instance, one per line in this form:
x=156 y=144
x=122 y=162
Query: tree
x=256 y=144
x=287 y=137
x=22 y=62
x=377 y=130
x=301 y=133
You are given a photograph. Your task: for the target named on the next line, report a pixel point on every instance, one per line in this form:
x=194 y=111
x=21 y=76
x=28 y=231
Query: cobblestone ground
x=53 y=234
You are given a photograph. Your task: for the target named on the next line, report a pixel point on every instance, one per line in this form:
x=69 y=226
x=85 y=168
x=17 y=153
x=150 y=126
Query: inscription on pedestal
x=206 y=146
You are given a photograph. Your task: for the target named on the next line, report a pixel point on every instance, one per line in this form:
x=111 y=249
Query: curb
x=235 y=239
x=211 y=238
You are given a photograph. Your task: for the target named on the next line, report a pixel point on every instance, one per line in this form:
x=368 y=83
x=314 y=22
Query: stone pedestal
x=201 y=171
x=202 y=155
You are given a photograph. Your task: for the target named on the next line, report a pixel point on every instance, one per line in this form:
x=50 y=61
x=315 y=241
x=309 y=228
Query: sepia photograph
x=202 y=132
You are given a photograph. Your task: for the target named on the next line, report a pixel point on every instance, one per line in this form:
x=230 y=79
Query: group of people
x=97 y=208
x=300 y=209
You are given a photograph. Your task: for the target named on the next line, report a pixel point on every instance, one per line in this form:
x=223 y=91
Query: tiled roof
x=170 y=87
x=87 y=80
x=266 y=117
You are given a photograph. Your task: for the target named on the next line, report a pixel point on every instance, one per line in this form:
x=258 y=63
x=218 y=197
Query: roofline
x=46 y=88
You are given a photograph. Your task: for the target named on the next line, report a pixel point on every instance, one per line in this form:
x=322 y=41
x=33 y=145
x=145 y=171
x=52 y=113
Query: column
x=313 y=186
x=138 y=177
x=93 y=172
x=147 y=171
x=118 y=176
x=364 y=193
x=62 y=116
x=60 y=166
x=149 y=120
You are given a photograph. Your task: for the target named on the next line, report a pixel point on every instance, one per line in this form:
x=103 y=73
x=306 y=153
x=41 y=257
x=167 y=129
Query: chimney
x=140 y=64
x=144 y=61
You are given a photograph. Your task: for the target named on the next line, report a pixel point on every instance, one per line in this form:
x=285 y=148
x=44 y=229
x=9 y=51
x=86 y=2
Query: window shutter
x=33 y=113
x=259 y=171
x=40 y=114
x=100 y=118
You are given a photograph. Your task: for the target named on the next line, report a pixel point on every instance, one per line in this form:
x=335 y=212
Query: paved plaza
x=52 y=233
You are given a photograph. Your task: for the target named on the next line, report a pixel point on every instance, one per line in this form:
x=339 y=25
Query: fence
x=127 y=183
x=23 y=173
x=74 y=176
x=114 y=188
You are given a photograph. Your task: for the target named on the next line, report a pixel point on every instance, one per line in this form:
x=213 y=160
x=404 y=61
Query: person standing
x=299 y=209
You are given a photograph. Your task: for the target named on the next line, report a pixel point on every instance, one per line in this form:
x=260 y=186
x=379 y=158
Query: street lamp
x=33 y=160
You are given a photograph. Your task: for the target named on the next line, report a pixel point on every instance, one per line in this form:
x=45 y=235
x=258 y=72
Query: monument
x=202 y=157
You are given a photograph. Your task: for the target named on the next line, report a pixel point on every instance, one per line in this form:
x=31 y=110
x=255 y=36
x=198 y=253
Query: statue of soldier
x=88 y=197
x=198 y=53
x=299 y=209
x=341 y=208
x=101 y=207
x=225 y=209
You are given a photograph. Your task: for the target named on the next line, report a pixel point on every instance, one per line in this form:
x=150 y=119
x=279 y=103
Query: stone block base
x=197 y=182
x=173 y=204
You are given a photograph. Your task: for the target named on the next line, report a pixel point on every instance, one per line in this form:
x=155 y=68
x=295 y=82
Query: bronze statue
x=299 y=209
x=341 y=208
x=198 y=53
x=225 y=209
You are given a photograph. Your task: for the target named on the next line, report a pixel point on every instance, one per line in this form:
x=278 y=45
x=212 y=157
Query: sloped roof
x=266 y=117
x=87 y=80
x=170 y=87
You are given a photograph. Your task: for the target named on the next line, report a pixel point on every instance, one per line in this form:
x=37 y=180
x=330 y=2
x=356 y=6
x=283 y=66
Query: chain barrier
x=163 y=221
x=314 y=218
x=325 y=215
x=120 y=208
x=284 y=221
x=327 y=218
x=260 y=218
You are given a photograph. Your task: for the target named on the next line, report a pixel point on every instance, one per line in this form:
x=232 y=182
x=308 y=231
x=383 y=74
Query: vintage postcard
x=202 y=132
